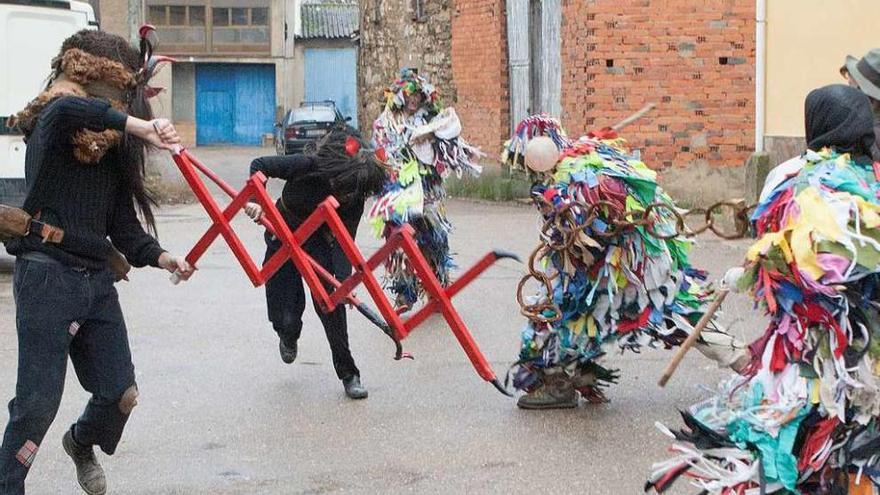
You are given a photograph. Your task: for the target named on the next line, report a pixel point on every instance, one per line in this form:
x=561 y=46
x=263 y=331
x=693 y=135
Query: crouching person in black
x=86 y=137
x=343 y=167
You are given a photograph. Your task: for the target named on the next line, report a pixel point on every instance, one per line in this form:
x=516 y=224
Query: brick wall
x=694 y=58
x=392 y=40
x=479 y=68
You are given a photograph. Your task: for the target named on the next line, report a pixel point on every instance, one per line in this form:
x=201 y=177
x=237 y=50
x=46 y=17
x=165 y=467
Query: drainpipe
x=760 y=73
x=135 y=19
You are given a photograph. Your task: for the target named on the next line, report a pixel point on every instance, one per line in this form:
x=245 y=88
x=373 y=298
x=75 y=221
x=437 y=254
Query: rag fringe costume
x=422 y=149
x=804 y=418
x=603 y=284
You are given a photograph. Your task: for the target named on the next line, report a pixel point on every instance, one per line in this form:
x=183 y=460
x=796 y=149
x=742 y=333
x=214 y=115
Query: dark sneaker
x=89 y=473
x=288 y=353
x=549 y=397
x=353 y=387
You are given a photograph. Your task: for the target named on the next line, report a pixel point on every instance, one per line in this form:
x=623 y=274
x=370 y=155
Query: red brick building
x=594 y=62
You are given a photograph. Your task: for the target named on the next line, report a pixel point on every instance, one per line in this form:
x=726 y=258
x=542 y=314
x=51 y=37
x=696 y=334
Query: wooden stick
x=634 y=117
x=693 y=337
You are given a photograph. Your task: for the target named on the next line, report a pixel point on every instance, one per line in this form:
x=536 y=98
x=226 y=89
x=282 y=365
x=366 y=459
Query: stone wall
x=782 y=148
x=694 y=58
x=391 y=40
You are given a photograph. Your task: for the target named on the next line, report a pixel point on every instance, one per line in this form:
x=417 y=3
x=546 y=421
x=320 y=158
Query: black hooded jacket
x=840 y=117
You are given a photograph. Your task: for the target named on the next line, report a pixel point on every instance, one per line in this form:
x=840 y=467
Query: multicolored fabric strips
x=613 y=286
x=422 y=149
x=528 y=128
x=804 y=419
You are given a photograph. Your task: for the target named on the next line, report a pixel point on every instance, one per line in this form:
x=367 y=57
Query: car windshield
x=309 y=114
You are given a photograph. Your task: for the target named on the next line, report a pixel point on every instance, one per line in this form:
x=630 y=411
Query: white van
x=31 y=32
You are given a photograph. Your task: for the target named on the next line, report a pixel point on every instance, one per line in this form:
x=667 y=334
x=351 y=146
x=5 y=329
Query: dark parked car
x=305 y=125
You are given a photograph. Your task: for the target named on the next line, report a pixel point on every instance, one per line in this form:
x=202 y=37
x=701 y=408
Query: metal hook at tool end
x=502 y=254
x=497 y=384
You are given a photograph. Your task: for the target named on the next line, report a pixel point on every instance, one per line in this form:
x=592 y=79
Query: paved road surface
x=220 y=413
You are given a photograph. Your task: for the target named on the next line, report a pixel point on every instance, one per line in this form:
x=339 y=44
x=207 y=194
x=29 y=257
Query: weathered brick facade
x=694 y=58
x=392 y=40
x=479 y=69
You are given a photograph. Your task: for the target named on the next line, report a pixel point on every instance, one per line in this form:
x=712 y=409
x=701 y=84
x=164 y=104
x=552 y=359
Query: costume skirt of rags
x=804 y=419
x=604 y=283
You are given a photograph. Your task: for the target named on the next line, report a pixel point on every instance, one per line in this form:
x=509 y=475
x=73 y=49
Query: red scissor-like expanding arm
x=326 y=290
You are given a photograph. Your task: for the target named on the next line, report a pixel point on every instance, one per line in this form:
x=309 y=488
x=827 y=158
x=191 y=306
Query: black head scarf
x=840 y=117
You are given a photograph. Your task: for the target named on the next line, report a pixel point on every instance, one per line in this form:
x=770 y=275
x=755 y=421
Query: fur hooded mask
x=99 y=65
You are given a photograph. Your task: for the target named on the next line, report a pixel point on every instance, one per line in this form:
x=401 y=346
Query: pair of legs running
x=286 y=302
x=60 y=312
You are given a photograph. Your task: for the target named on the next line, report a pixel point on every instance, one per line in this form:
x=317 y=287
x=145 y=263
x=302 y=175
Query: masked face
x=414 y=102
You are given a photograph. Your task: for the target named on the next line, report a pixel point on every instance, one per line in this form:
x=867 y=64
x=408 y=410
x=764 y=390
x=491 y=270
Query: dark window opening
x=260 y=16
x=239 y=16
x=157 y=15
x=196 y=16
x=722 y=60
x=177 y=15
x=220 y=17
x=609 y=62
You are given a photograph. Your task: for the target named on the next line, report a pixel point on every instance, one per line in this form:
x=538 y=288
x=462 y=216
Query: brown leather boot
x=555 y=393
x=89 y=473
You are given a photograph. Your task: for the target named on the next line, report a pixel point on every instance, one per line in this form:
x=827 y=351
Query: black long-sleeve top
x=91 y=202
x=302 y=194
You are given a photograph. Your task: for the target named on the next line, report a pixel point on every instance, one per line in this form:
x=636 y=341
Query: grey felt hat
x=866 y=72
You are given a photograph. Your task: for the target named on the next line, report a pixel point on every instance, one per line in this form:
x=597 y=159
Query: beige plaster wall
x=807 y=42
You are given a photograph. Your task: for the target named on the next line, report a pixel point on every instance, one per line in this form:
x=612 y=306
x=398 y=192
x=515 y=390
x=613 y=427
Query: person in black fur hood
x=86 y=137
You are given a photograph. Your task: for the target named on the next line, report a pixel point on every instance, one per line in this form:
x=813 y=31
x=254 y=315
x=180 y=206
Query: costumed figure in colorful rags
x=804 y=417
x=606 y=279
x=421 y=141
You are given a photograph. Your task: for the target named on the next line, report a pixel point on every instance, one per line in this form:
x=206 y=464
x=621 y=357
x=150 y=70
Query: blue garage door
x=235 y=103
x=331 y=74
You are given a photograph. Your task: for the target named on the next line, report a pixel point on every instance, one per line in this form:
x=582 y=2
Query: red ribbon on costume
x=381 y=155
x=815 y=443
x=352 y=146
x=627 y=326
x=603 y=134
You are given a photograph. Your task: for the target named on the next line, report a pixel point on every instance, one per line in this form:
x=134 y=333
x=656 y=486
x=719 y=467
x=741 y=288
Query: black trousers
x=61 y=312
x=286 y=301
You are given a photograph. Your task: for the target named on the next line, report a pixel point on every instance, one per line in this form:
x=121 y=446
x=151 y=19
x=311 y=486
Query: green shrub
x=492 y=185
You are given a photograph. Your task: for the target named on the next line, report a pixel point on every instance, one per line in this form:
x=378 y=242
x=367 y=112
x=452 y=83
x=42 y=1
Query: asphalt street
x=220 y=413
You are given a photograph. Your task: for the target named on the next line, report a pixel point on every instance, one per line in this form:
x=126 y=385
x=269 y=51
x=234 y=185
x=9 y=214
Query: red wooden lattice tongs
x=318 y=279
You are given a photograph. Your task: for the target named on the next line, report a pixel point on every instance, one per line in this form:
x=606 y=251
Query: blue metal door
x=235 y=103
x=331 y=74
